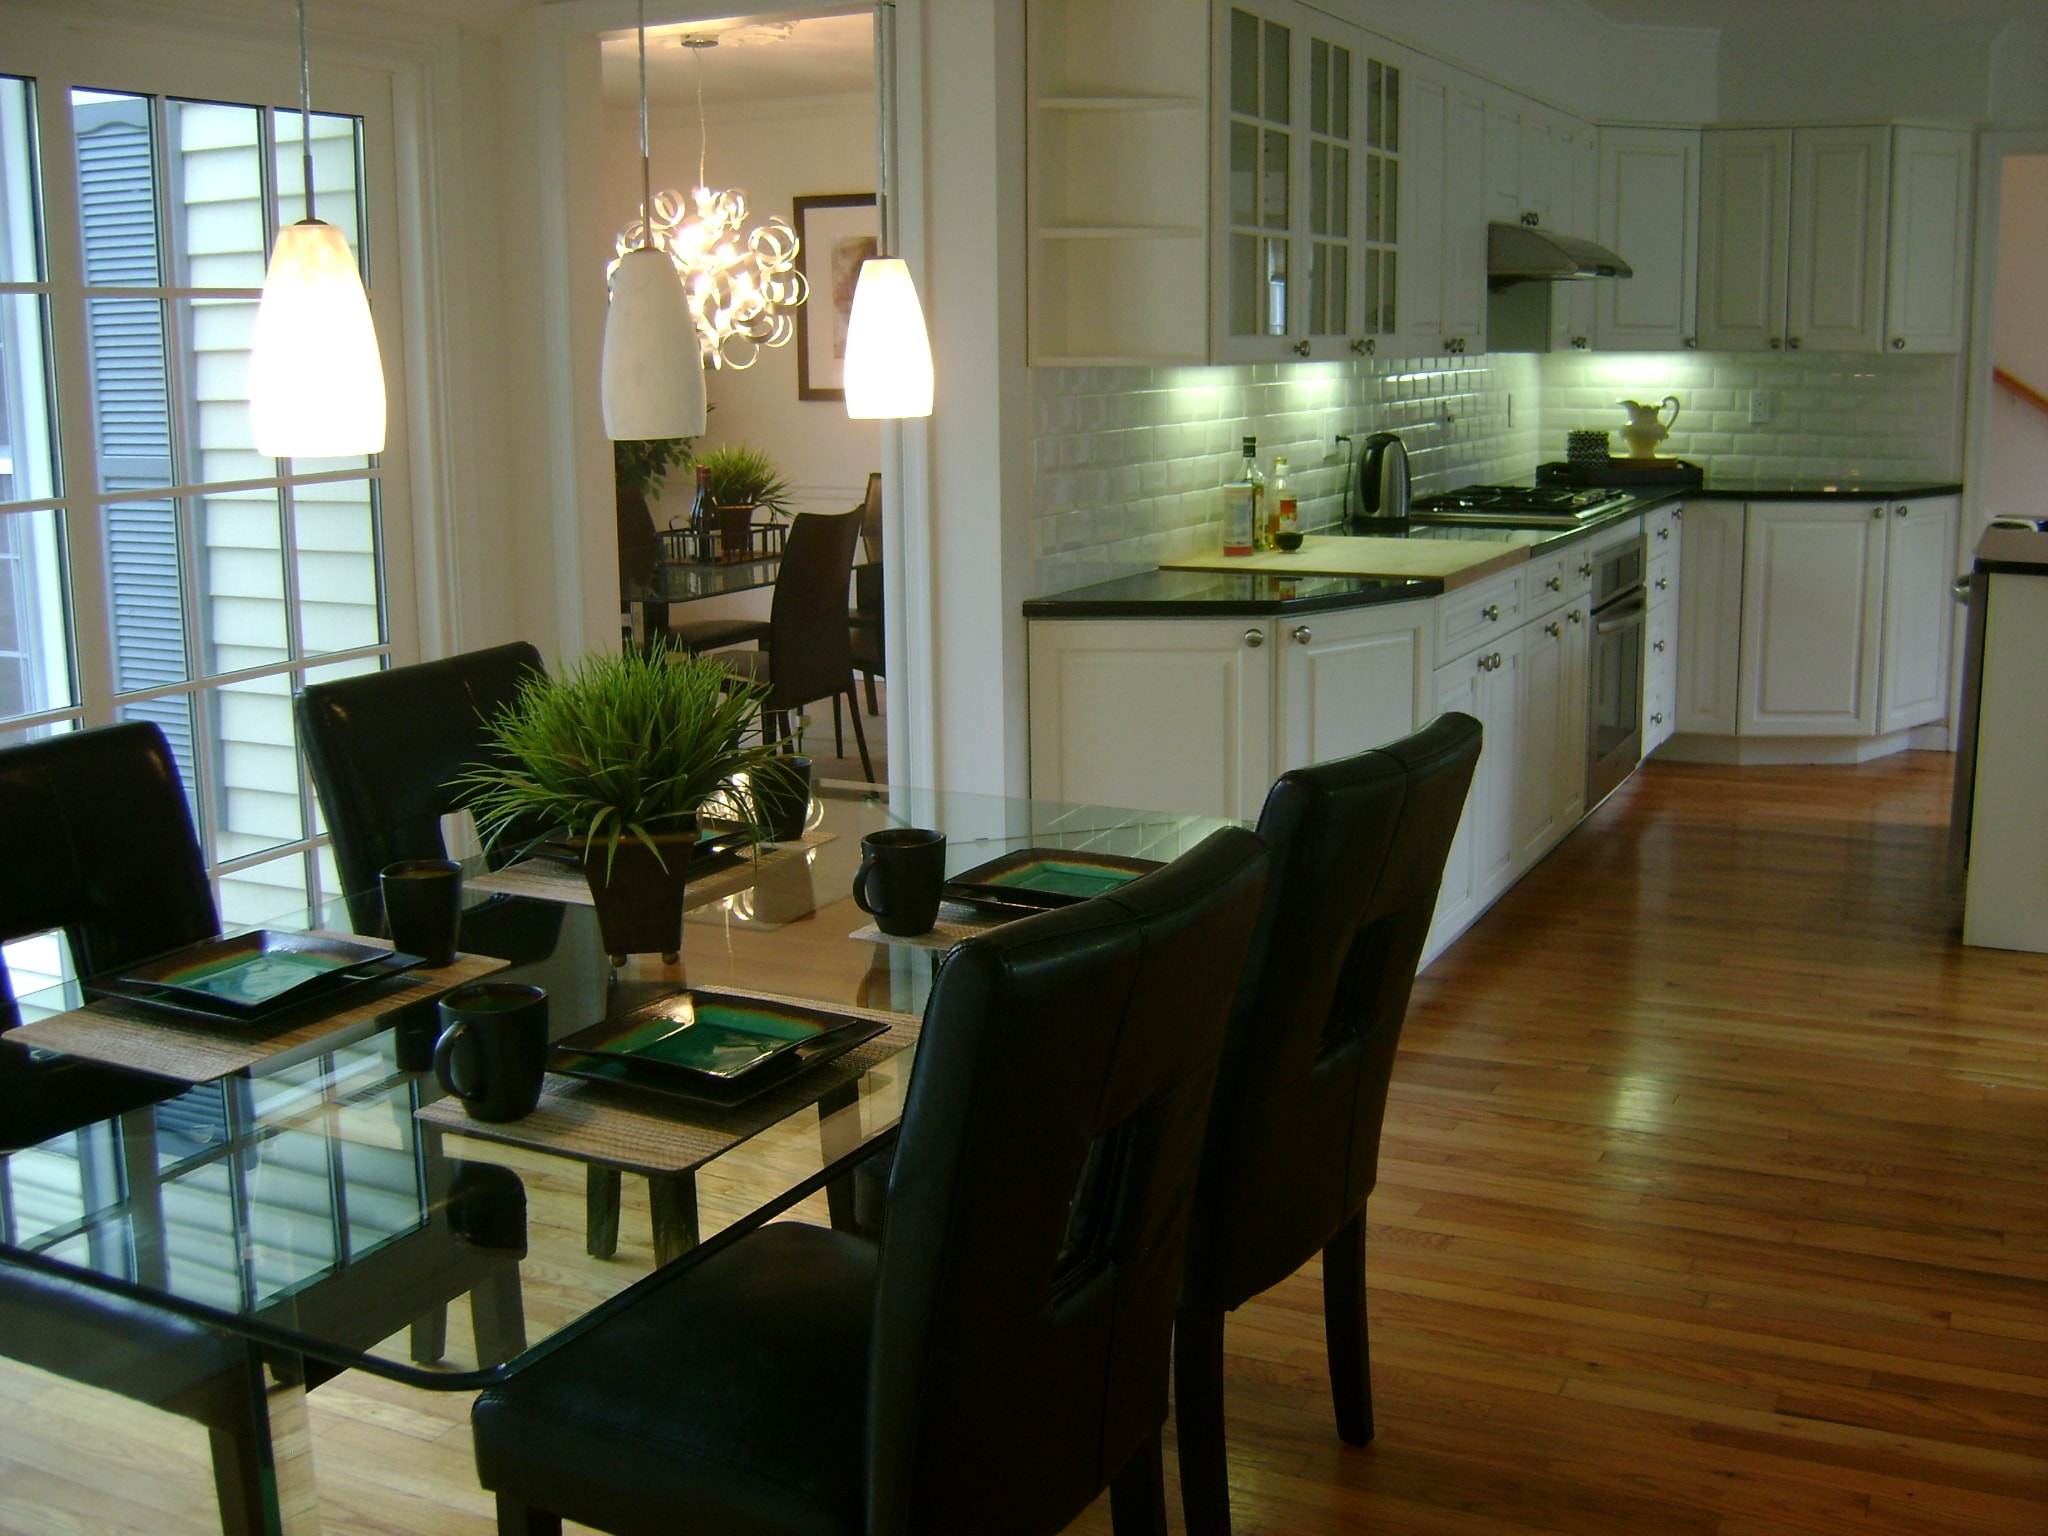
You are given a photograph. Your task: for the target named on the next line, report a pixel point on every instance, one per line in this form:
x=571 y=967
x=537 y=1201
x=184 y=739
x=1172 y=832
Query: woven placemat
x=124 y=1034
x=956 y=922
x=552 y=881
x=653 y=1133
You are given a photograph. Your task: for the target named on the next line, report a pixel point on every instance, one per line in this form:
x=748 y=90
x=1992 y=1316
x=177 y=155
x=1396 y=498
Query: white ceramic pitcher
x=1646 y=428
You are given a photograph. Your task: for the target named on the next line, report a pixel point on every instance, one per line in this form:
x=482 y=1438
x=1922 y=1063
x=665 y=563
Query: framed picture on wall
x=835 y=234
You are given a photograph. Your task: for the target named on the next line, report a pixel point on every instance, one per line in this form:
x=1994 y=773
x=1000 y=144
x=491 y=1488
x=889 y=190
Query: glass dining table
x=332 y=1209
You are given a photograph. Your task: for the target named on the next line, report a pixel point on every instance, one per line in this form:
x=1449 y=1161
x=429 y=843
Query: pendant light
x=653 y=368
x=316 y=378
x=741 y=283
x=888 y=368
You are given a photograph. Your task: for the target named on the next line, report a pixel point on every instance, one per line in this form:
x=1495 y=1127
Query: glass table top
x=304 y=1205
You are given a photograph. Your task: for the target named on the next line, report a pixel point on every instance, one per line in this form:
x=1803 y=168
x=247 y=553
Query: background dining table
x=327 y=1204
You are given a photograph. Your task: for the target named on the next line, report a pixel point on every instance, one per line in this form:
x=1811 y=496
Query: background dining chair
x=1002 y=1356
x=864 y=621
x=385 y=748
x=808 y=655
x=1358 y=849
x=96 y=839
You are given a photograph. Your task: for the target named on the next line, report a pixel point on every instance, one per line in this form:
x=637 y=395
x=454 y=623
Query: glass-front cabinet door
x=1308 y=218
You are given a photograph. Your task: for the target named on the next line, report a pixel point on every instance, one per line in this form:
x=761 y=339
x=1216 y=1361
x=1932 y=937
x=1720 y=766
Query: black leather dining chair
x=808 y=655
x=1001 y=1357
x=96 y=840
x=1358 y=849
x=385 y=748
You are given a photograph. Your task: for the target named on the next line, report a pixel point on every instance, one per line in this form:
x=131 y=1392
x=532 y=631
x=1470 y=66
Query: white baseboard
x=1787 y=751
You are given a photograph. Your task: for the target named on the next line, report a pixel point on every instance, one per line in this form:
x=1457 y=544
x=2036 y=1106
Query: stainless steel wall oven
x=1614 y=692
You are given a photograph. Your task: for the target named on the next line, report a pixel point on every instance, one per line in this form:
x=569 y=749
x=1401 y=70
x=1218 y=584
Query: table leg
x=839 y=1134
x=673 y=1200
x=601 y=1211
x=262 y=1444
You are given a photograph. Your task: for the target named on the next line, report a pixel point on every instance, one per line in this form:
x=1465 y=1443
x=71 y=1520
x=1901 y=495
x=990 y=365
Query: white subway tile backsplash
x=1129 y=461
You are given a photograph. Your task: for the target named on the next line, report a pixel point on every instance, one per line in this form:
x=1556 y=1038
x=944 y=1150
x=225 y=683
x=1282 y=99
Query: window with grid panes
x=1261 y=191
x=152 y=565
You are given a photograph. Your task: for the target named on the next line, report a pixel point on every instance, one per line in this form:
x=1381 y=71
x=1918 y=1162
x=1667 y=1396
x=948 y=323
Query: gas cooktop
x=1517 y=506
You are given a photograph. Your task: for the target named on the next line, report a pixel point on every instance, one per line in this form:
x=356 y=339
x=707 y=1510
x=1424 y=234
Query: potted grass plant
x=623 y=754
x=742 y=481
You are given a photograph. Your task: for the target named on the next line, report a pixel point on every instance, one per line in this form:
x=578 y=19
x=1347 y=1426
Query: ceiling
x=1791 y=15
x=758 y=58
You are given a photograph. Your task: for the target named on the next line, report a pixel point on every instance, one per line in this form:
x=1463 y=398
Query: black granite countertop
x=1221 y=595
x=1823 y=490
x=2013 y=552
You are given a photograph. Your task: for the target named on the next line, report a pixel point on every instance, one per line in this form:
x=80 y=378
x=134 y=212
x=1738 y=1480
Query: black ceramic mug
x=901 y=871
x=493 y=1050
x=423 y=907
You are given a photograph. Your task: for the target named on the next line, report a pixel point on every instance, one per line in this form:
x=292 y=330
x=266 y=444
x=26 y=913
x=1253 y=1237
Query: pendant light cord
x=885 y=118
x=305 y=113
x=646 y=182
x=703 y=133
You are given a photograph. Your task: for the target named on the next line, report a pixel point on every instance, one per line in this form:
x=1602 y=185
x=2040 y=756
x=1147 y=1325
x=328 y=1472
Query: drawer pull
x=1553 y=629
x=1300 y=348
x=1663 y=533
x=1554 y=584
x=1657 y=719
x=1255 y=638
x=1303 y=634
x=1576 y=616
x=1657 y=645
x=1491 y=612
x=1899 y=510
x=1662 y=584
x=1586 y=569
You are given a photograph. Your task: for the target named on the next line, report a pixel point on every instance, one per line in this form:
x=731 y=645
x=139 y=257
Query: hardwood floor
x=1711 y=1201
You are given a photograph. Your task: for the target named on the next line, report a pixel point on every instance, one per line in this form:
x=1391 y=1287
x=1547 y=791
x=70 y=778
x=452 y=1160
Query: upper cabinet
x=1118 y=199
x=1834 y=239
x=1648 y=202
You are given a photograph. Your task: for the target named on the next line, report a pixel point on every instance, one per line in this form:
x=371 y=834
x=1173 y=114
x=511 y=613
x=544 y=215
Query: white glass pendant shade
x=316 y=378
x=653 y=367
x=888 y=353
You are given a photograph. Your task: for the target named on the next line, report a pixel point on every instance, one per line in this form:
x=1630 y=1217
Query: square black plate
x=1043 y=879
x=251 y=977
x=710 y=1047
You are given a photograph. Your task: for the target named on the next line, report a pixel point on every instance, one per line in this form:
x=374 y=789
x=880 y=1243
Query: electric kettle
x=1383 y=480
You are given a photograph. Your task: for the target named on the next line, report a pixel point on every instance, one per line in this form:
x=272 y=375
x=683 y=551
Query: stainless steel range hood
x=1521 y=253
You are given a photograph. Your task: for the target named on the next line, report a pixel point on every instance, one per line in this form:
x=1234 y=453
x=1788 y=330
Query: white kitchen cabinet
x=1118 y=265
x=1464 y=244
x=1841 y=180
x=1813 y=604
x=1709 y=628
x=1920 y=562
x=1745 y=229
x=1482 y=860
x=1543 y=759
x=1351 y=680
x=1649 y=211
x=1845 y=239
x=1505 y=198
x=1425 y=263
x=1172 y=714
x=1663 y=578
x=1927 y=259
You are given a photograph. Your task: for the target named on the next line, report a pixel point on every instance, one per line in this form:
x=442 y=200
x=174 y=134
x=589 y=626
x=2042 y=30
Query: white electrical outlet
x=1763 y=405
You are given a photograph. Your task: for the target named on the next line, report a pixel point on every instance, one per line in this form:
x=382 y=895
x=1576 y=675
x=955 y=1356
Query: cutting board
x=1455 y=562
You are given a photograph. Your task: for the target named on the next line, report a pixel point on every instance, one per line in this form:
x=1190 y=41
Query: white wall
x=1841 y=68
x=2016 y=478
x=775 y=150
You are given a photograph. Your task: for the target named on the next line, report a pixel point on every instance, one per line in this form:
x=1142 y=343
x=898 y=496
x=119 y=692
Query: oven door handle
x=1613 y=623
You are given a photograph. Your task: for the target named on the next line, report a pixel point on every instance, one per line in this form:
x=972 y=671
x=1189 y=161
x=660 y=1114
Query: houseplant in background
x=622 y=753
x=743 y=480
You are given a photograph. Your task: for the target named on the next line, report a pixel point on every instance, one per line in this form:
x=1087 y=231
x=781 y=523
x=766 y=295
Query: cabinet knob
x=1898 y=343
x=1255 y=638
x=1586 y=568
x=1582 y=344
x=1793 y=343
x=1365 y=346
x=1576 y=616
x=1300 y=348
x=1692 y=343
x=1553 y=629
x=1678 y=514
x=1877 y=511
x=1496 y=661
x=1658 y=718
x=1492 y=613
x=1657 y=645
x=1303 y=634
x=1531 y=218
x=1554 y=584
x=1663 y=533
x=1662 y=584
x=1899 y=510
x=1776 y=343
